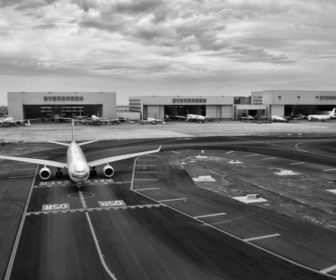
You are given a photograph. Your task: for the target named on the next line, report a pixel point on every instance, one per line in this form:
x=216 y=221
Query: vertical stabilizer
x=332 y=113
x=73 y=130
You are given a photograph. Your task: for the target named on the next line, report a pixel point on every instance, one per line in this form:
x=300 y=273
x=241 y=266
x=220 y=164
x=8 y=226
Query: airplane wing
x=37 y=161
x=121 y=157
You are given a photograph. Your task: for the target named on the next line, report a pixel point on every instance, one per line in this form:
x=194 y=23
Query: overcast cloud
x=141 y=47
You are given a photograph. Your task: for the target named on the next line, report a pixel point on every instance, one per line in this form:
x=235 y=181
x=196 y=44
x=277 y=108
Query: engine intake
x=108 y=171
x=45 y=173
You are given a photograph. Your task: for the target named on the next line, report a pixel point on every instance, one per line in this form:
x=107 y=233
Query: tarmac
x=62 y=131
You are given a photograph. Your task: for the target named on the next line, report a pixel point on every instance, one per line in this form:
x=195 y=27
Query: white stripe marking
x=148 y=189
x=145 y=165
x=268 y=158
x=230 y=152
x=253 y=155
x=173 y=199
x=98 y=248
x=210 y=215
x=328 y=269
x=18 y=235
x=141 y=171
x=297 y=163
x=328 y=170
x=146 y=180
x=176 y=152
x=261 y=237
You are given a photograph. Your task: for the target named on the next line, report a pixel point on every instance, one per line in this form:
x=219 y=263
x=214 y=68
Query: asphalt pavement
x=151 y=222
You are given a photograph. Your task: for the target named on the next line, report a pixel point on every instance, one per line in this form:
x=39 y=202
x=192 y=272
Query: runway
x=152 y=222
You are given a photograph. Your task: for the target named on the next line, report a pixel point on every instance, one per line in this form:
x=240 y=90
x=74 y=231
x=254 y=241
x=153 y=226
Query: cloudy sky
x=167 y=47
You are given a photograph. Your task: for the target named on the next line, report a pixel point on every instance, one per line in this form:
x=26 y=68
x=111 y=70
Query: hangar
x=49 y=105
x=295 y=102
x=220 y=107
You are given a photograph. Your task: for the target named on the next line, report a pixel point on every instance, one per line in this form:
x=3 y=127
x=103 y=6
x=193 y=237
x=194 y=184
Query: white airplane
x=10 y=121
x=77 y=165
x=193 y=117
x=152 y=121
x=278 y=119
x=322 y=118
x=95 y=120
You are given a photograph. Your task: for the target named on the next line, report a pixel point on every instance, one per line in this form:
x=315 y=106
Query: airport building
x=49 y=105
x=294 y=102
x=220 y=107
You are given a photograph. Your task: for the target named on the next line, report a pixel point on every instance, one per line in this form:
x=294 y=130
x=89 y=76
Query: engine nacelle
x=45 y=173
x=108 y=171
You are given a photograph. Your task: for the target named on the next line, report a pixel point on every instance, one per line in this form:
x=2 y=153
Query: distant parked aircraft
x=78 y=168
x=10 y=121
x=95 y=120
x=322 y=118
x=193 y=117
x=278 y=119
x=152 y=121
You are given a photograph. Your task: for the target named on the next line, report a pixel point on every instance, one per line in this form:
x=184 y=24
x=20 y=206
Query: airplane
x=152 y=121
x=193 y=117
x=322 y=118
x=95 y=120
x=278 y=119
x=79 y=169
x=10 y=121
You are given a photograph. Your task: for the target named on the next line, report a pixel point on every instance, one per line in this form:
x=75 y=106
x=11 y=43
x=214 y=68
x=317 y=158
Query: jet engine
x=45 y=173
x=108 y=170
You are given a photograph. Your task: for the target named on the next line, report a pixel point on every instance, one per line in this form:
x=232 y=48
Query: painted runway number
x=53 y=207
x=111 y=203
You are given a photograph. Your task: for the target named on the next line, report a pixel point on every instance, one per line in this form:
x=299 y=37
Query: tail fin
x=73 y=130
x=332 y=112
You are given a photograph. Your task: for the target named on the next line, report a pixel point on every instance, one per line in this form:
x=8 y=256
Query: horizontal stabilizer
x=59 y=143
x=86 y=143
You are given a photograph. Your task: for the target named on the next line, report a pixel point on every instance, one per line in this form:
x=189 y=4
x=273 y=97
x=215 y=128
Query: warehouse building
x=50 y=105
x=160 y=107
x=294 y=102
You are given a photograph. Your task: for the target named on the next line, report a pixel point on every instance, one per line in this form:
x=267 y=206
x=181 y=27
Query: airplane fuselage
x=78 y=167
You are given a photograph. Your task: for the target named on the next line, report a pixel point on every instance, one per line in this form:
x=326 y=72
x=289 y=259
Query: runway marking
x=145 y=165
x=17 y=177
x=176 y=152
x=297 y=147
x=328 y=269
x=101 y=256
x=140 y=206
x=328 y=170
x=111 y=203
x=172 y=199
x=269 y=158
x=233 y=236
x=142 y=171
x=253 y=155
x=148 y=189
x=210 y=215
x=262 y=237
x=230 y=152
x=297 y=163
x=18 y=235
x=53 y=207
x=146 y=179
x=82 y=200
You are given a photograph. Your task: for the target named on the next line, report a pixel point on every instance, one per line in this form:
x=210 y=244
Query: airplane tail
x=332 y=112
x=73 y=130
